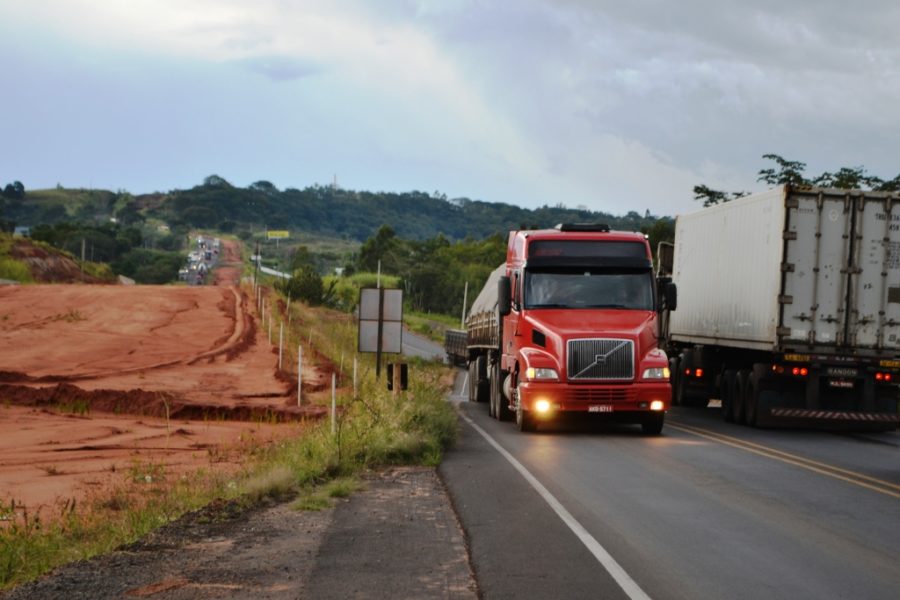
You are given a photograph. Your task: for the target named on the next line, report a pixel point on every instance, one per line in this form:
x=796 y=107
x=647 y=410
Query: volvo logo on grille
x=600 y=359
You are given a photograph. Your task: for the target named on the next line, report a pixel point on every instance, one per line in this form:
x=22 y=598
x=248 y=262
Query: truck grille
x=600 y=359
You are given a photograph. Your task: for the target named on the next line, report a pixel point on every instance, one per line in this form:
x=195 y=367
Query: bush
x=14 y=270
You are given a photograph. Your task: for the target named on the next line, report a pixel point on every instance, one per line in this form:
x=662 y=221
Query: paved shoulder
x=399 y=538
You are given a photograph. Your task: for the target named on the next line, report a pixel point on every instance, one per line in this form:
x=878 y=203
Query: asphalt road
x=706 y=510
x=414 y=344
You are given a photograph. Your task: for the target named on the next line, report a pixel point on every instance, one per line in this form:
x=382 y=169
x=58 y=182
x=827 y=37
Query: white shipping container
x=791 y=270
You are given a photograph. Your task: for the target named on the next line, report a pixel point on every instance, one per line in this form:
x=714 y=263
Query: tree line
x=791 y=172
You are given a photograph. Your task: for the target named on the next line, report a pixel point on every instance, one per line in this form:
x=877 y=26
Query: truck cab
x=579 y=328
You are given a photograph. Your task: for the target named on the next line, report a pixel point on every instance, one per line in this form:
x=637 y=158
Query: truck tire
x=472 y=382
x=729 y=382
x=524 y=421
x=751 y=404
x=499 y=405
x=741 y=385
x=676 y=381
x=482 y=385
x=653 y=423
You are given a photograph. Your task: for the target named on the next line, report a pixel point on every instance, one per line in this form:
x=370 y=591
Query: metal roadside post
x=380 y=322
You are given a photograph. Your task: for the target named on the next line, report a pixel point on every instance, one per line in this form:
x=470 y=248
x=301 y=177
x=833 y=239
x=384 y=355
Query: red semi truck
x=568 y=326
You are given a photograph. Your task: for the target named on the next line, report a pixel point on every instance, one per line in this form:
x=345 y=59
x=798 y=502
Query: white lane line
x=628 y=585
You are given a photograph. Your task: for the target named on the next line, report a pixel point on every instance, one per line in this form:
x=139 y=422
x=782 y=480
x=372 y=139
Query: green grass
x=374 y=429
x=14 y=270
x=431 y=325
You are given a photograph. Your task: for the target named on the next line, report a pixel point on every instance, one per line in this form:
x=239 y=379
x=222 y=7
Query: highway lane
x=414 y=344
x=707 y=510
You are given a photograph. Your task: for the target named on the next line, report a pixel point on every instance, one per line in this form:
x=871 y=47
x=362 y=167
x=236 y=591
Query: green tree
x=789 y=171
x=711 y=196
x=307 y=285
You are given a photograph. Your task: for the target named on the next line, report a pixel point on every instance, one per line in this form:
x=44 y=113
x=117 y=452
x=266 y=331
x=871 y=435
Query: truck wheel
x=751 y=403
x=524 y=421
x=499 y=403
x=740 y=395
x=675 y=369
x=482 y=389
x=653 y=423
x=728 y=391
x=494 y=400
x=472 y=382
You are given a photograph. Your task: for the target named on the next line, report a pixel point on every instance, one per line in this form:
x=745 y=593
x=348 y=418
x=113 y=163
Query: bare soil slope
x=94 y=378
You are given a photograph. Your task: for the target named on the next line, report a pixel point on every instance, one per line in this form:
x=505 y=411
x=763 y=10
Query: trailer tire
x=653 y=423
x=472 y=382
x=482 y=385
x=751 y=405
x=740 y=396
x=729 y=384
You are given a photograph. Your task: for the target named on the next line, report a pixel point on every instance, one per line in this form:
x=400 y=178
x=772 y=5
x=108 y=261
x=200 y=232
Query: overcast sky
x=611 y=105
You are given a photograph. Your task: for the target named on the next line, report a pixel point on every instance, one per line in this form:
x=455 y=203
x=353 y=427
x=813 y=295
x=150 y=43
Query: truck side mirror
x=504 y=296
x=671 y=295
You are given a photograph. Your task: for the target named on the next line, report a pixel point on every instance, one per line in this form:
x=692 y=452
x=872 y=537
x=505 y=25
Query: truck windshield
x=630 y=291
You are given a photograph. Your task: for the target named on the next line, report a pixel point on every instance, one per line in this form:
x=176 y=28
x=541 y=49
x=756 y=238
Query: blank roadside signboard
x=391 y=318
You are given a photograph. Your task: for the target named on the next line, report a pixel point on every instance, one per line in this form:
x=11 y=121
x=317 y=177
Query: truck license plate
x=846 y=384
x=600 y=408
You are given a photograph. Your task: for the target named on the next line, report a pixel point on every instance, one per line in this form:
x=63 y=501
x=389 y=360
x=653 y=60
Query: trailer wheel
x=740 y=396
x=473 y=382
x=482 y=389
x=729 y=383
x=653 y=423
x=751 y=405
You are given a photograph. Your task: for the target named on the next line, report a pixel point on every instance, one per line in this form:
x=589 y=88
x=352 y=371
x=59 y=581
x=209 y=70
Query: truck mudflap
x=835 y=415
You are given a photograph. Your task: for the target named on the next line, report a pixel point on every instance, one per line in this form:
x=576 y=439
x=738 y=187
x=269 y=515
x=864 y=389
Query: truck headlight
x=533 y=373
x=656 y=373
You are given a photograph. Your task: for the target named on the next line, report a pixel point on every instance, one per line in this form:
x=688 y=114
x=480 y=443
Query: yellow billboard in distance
x=277 y=234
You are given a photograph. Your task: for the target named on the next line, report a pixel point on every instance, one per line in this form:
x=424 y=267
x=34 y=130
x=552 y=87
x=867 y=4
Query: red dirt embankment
x=93 y=378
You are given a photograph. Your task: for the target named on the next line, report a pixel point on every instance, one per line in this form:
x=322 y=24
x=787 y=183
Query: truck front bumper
x=556 y=397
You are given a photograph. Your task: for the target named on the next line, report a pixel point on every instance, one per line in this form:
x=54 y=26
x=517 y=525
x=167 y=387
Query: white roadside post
x=333 y=402
x=280 y=344
x=355 y=394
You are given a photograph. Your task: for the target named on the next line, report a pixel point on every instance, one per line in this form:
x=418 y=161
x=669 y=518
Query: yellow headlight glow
x=542 y=406
x=657 y=405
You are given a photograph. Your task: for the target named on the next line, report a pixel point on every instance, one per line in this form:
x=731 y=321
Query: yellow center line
x=878 y=485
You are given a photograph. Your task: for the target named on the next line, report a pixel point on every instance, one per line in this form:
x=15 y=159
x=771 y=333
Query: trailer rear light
x=696 y=372
x=799 y=371
x=657 y=405
x=778 y=369
x=883 y=377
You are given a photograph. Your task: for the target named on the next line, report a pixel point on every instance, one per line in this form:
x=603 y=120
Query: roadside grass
x=373 y=428
x=431 y=325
